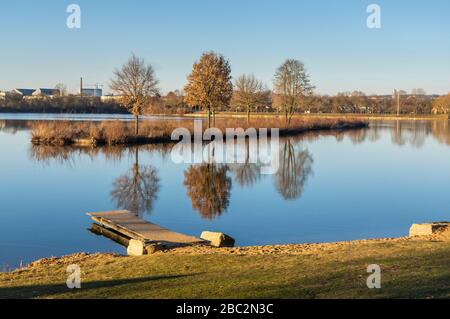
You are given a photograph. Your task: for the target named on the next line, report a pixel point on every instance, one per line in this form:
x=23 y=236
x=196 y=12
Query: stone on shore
x=427 y=229
x=140 y=248
x=218 y=239
x=136 y=248
x=153 y=248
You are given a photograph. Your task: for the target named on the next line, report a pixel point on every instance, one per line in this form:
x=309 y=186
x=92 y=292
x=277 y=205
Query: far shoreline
x=203 y=115
x=370 y=117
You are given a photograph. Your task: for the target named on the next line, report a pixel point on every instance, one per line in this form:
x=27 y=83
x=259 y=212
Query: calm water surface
x=335 y=186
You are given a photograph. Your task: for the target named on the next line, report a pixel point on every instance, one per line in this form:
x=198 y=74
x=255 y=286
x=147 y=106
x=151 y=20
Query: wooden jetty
x=128 y=224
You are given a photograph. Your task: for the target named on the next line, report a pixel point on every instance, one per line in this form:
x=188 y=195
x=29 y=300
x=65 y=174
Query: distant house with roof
x=23 y=92
x=35 y=93
x=10 y=95
x=46 y=92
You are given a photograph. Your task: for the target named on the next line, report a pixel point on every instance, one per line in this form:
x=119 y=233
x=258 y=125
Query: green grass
x=410 y=269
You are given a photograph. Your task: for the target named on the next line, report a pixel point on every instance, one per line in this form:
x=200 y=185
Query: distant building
x=96 y=92
x=23 y=92
x=8 y=95
x=46 y=93
x=35 y=93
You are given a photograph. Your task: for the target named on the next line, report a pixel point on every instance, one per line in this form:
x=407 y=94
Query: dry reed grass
x=61 y=133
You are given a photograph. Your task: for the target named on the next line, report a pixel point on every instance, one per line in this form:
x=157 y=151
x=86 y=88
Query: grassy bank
x=411 y=268
x=60 y=133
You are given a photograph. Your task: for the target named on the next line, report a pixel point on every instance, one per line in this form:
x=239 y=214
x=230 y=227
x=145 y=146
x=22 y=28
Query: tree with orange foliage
x=209 y=85
x=442 y=105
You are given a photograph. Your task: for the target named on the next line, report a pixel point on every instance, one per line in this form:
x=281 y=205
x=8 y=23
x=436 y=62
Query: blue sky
x=412 y=49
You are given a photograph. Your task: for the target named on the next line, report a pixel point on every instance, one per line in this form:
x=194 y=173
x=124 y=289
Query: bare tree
x=359 y=101
x=61 y=89
x=418 y=92
x=249 y=93
x=174 y=99
x=136 y=83
x=209 y=85
x=291 y=86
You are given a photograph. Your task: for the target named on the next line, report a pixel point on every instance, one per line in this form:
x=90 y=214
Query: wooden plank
x=117 y=237
x=131 y=226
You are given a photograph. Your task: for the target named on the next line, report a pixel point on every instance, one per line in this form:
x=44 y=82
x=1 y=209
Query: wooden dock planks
x=130 y=225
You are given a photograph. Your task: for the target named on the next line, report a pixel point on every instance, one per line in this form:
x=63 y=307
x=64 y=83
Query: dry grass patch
x=411 y=268
x=61 y=133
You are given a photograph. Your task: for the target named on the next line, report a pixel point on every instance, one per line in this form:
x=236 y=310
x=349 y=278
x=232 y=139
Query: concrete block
x=136 y=248
x=427 y=229
x=218 y=239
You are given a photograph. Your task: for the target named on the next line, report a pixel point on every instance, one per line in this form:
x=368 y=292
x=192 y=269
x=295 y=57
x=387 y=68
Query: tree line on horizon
x=210 y=88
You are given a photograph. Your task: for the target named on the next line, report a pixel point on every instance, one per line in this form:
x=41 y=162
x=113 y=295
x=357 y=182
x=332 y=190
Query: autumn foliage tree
x=136 y=83
x=442 y=105
x=291 y=87
x=209 y=85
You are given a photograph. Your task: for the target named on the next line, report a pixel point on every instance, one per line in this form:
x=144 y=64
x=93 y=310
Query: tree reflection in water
x=137 y=189
x=295 y=169
x=246 y=174
x=397 y=134
x=208 y=187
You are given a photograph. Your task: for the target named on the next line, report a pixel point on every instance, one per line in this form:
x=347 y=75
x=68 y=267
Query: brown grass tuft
x=62 y=133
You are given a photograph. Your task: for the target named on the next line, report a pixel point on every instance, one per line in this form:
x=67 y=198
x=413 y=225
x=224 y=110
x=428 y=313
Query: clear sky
x=412 y=48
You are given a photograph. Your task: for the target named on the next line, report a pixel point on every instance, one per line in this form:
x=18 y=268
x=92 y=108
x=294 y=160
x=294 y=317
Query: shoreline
x=415 y=267
x=276 y=249
x=371 y=117
x=201 y=115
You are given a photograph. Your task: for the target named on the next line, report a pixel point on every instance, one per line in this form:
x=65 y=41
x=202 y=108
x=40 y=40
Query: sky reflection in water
x=330 y=187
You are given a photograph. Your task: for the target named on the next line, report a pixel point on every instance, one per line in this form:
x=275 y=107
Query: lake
x=332 y=186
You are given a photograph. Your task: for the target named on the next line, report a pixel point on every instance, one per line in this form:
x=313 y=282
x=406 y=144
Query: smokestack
x=81 y=87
